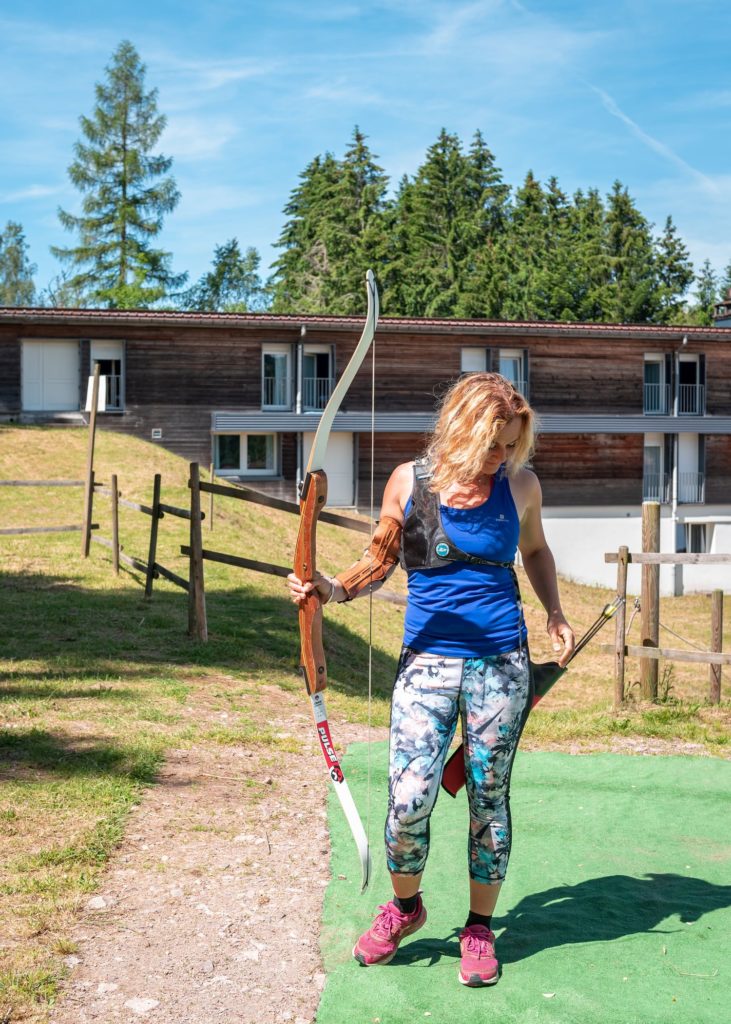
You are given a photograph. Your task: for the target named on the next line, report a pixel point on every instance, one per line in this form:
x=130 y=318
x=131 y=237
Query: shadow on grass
x=85 y=633
x=25 y=753
x=51 y=692
x=597 y=910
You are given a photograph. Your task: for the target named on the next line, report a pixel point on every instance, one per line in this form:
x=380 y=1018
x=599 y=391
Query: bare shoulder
x=398 y=490
x=526 y=490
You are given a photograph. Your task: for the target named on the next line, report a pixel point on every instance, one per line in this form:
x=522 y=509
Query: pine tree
x=335 y=232
x=298 y=283
x=632 y=293
x=16 y=270
x=706 y=293
x=437 y=232
x=591 y=260
x=488 y=198
x=232 y=286
x=360 y=208
x=522 y=255
x=675 y=273
x=125 y=194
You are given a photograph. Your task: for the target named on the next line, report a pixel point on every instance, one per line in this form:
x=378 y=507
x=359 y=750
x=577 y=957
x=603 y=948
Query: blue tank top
x=469 y=611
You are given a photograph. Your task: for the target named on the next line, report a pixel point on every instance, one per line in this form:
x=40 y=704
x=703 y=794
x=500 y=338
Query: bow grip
x=312 y=501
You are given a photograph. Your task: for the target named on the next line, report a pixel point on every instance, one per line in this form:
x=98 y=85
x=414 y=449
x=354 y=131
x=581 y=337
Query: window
x=276 y=389
x=654 y=481
x=655 y=398
x=696 y=537
x=246 y=454
x=317 y=377
x=110 y=357
x=691 y=386
x=512 y=364
x=474 y=360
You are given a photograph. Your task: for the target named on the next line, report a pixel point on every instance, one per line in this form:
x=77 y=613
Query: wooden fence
x=649 y=650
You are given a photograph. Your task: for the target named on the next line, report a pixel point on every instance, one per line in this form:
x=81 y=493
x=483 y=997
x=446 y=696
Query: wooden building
x=627 y=411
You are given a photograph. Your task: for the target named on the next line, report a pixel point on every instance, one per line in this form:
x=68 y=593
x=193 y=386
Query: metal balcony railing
x=691 y=400
x=656 y=400
x=275 y=392
x=656 y=487
x=316 y=391
x=114 y=391
x=691 y=488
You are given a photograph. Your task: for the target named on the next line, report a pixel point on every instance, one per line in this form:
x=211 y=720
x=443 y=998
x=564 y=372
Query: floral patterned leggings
x=492 y=696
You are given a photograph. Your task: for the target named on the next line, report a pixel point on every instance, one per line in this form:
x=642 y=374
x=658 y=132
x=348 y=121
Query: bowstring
x=370 y=592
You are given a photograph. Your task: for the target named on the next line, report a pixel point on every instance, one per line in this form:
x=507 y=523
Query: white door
x=338 y=466
x=50 y=375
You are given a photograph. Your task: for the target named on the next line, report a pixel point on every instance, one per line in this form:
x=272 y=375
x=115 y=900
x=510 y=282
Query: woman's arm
x=395 y=496
x=540 y=566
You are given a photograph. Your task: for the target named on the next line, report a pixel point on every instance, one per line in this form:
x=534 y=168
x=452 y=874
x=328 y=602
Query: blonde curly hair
x=472 y=413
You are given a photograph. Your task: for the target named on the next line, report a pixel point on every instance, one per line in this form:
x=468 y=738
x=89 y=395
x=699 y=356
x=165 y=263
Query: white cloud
x=202 y=200
x=709 y=184
x=196 y=138
x=32 y=192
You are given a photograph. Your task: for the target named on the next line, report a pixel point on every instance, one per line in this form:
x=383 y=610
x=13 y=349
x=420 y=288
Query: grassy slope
x=96 y=683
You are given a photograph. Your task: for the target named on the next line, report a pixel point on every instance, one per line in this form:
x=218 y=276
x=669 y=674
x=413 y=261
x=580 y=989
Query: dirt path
x=210 y=911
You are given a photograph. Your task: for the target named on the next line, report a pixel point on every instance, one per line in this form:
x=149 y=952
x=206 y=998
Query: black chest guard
x=424 y=544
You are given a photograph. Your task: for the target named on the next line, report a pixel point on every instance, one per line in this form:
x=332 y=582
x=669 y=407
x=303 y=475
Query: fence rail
x=649 y=651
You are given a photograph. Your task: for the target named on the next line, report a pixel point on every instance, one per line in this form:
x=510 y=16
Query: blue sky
x=639 y=91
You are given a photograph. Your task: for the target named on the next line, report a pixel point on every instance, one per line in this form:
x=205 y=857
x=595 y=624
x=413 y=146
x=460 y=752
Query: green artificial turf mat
x=615 y=908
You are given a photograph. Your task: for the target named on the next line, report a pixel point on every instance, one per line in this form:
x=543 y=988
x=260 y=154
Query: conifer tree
x=706 y=293
x=591 y=259
x=334 y=232
x=438 y=230
x=632 y=294
x=675 y=274
x=233 y=284
x=16 y=270
x=126 y=190
x=522 y=255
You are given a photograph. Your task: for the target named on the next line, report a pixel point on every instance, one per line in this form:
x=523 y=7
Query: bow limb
x=312 y=501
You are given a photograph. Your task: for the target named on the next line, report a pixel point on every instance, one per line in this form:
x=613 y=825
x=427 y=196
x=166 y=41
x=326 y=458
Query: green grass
x=97 y=683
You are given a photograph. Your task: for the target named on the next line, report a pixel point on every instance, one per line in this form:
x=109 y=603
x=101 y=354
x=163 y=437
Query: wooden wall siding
x=718 y=469
x=289 y=458
x=718 y=381
x=186 y=429
x=10 y=397
x=390 y=451
x=590 y=469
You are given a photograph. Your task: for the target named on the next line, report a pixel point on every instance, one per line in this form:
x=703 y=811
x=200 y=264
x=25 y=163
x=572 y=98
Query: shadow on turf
x=603 y=909
x=597 y=910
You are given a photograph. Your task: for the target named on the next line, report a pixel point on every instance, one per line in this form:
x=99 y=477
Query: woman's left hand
x=562 y=637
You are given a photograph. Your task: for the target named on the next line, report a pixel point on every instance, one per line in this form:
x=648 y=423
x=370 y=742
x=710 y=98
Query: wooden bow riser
x=312 y=501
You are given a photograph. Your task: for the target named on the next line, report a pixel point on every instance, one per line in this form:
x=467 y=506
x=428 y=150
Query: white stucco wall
x=579 y=537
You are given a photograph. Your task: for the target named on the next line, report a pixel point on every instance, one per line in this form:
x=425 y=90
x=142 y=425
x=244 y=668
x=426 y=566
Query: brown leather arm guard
x=378 y=559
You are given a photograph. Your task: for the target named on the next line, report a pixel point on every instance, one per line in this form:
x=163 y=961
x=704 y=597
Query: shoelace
x=479 y=943
x=388 y=921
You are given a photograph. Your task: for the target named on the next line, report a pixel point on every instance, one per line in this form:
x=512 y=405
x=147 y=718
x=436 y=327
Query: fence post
x=89 y=480
x=650 y=599
x=210 y=503
x=115 y=525
x=622 y=560
x=716 y=644
x=153 y=535
x=197 y=624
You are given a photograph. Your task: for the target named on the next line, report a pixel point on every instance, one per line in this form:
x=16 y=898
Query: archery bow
x=312 y=501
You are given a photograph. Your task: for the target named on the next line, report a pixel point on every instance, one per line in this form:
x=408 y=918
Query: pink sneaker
x=479 y=964
x=379 y=944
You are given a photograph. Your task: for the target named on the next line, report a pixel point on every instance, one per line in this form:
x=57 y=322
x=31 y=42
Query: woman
x=456 y=518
